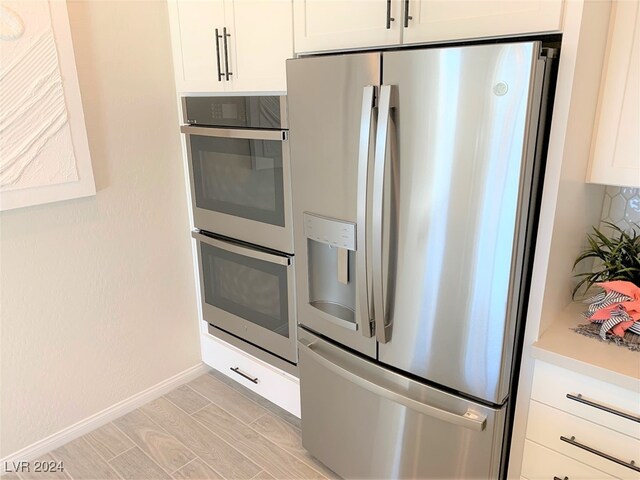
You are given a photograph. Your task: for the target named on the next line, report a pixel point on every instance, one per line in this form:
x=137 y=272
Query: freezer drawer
x=364 y=421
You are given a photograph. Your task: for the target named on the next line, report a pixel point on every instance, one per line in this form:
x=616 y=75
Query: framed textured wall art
x=44 y=153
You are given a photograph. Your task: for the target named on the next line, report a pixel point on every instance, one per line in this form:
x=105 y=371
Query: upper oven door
x=240 y=184
x=249 y=293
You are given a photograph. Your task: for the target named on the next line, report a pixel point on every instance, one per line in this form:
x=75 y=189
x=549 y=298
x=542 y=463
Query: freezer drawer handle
x=470 y=419
x=242 y=374
x=572 y=441
x=579 y=398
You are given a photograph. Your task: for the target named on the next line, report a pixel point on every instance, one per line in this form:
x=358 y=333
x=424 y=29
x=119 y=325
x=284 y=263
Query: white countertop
x=561 y=346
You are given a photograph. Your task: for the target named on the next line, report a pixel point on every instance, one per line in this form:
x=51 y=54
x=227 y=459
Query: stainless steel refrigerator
x=415 y=180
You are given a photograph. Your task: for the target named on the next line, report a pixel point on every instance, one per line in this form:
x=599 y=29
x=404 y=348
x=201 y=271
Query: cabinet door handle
x=218 y=36
x=407 y=17
x=558 y=478
x=579 y=398
x=572 y=441
x=389 y=17
x=226 y=53
x=242 y=374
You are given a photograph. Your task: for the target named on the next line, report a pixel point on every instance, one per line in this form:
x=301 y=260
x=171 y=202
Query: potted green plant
x=617 y=257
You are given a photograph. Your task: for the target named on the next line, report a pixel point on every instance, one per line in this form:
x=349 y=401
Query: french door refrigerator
x=415 y=181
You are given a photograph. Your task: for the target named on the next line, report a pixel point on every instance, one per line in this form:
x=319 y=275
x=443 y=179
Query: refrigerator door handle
x=362 y=284
x=470 y=419
x=382 y=327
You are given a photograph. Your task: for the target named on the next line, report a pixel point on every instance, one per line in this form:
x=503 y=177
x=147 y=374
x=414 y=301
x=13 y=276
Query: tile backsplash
x=621 y=206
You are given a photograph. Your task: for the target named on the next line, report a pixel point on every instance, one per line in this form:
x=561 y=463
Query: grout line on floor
x=121 y=453
x=263 y=436
x=195 y=455
x=305 y=461
x=100 y=457
x=190 y=461
x=182 y=409
x=235 y=384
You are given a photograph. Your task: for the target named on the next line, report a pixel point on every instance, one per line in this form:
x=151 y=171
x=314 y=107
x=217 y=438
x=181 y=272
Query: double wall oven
x=239 y=172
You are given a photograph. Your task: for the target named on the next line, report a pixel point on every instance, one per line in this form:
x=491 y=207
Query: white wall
x=98 y=296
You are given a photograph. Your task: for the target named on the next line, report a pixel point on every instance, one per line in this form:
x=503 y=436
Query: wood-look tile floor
x=210 y=428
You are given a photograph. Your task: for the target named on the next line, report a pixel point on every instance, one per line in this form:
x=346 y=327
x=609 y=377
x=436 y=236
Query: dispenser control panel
x=332 y=232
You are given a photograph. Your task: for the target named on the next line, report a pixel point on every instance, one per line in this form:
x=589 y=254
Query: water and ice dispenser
x=331 y=253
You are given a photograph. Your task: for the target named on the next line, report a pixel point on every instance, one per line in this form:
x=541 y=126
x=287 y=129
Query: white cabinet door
x=438 y=20
x=340 y=24
x=194 y=24
x=261 y=40
x=615 y=158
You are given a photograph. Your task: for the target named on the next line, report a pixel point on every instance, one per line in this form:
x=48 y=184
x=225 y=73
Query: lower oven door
x=365 y=421
x=249 y=293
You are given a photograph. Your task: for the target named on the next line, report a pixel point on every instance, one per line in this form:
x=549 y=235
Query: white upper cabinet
x=439 y=20
x=615 y=156
x=350 y=24
x=231 y=45
x=341 y=24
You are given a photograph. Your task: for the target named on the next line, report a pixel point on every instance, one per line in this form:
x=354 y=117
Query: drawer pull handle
x=579 y=398
x=572 y=441
x=558 y=478
x=242 y=374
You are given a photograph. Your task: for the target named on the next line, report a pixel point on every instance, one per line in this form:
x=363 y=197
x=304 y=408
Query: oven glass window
x=246 y=287
x=239 y=177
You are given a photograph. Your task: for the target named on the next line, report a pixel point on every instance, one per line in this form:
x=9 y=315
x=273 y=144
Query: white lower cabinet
x=541 y=463
x=267 y=381
x=580 y=428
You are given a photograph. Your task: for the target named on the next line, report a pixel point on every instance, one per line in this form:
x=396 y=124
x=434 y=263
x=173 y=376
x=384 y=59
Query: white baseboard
x=105 y=416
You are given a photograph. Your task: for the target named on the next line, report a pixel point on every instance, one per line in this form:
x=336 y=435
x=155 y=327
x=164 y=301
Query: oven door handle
x=240 y=250
x=235 y=133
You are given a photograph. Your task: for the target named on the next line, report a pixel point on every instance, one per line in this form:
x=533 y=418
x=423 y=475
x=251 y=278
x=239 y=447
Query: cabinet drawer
x=272 y=384
x=540 y=463
x=551 y=385
x=547 y=425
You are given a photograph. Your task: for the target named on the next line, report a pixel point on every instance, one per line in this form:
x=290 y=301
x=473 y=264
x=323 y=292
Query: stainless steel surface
x=630 y=464
x=251 y=349
x=218 y=36
x=240 y=250
x=325 y=102
x=463 y=147
x=245 y=375
x=365 y=294
x=580 y=399
x=468 y=419
x=343 y=265
x=226 y=53
x=380 y=311
x=277 y=237
x=231 y=321
x=332 y=232
x=234 y=133
x=368 y=422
